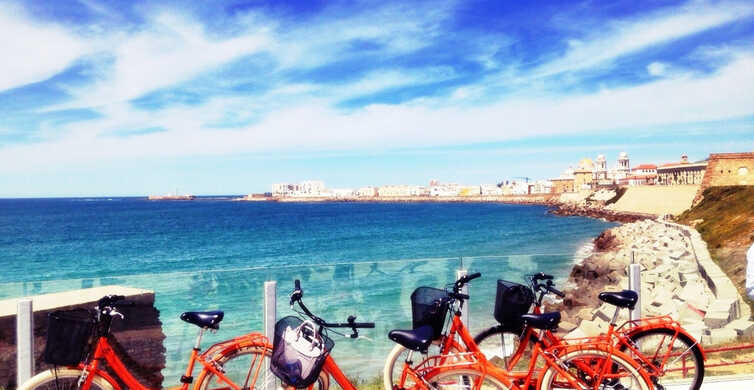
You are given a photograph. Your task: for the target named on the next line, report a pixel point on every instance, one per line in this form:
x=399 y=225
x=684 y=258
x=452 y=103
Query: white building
x=541 y=187
x=311 y=187
x=490 y=190
x=399 y=190
x=366 y=192
x=341 y=193
x=284 y=189
x=444 y=189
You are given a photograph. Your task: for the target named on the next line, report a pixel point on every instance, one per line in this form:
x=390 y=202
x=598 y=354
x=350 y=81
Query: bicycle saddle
x=203 y=319
x=546 y=321
x=625 y=298
x=417 y=339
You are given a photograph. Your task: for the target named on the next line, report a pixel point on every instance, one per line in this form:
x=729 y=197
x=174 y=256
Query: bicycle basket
x=429 y=308
x=298 y=352
x=68 y=336
x=512 y=300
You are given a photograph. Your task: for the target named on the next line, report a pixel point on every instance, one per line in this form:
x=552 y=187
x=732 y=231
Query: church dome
x=586 y=164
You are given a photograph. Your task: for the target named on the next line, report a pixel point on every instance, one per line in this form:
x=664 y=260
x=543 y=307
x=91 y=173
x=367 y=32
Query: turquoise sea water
x=352 y=258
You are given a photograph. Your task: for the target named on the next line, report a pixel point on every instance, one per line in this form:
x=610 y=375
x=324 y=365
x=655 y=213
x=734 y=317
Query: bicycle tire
x=397 y=356
x=494 y=341
x=240 y=366
x=66 y=378
x=549 y=378
x=645 y=337
x=461 y=379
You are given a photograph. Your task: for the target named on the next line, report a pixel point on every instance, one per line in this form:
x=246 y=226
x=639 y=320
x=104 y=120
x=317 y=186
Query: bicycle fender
x=105 y=376
x=676 y=327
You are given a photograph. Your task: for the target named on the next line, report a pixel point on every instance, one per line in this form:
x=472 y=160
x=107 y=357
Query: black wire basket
x=511 y=301
x=69 y=334
x=429 y=306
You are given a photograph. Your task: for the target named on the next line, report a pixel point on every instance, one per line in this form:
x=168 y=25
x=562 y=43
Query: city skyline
x=132 y=98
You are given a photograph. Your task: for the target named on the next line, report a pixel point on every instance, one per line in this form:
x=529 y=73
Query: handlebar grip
x=473 y=276
x=542 y=276
x=297 y=292
x=458 y=295
x=363 y=325
x=555 y=291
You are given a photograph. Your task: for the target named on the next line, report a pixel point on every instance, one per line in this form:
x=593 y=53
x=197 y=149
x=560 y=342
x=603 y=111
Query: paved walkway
x=733 y=382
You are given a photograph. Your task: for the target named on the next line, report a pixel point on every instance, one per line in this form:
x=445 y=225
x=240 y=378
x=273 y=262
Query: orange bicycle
x=663 y=348
x=233 y=364
x=589 y=364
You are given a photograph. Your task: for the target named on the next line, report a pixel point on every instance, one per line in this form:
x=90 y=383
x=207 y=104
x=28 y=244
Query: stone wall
x=139 y=335
x=727 y=169
x=678 y=278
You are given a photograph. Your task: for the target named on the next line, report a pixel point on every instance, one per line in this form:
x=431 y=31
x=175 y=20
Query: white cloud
x=31 y=51
x=613 y=40
x=312 y=125
x=656 y=68
x=170 y=50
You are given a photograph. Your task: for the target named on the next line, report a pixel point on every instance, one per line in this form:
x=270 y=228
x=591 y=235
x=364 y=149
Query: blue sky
x=218 y=97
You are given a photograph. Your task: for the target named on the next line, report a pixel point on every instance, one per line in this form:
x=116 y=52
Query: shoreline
x=556 y=206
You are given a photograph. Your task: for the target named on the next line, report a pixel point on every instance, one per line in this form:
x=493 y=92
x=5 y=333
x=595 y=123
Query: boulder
x=592 y=328
x=566 y=326
x=696 y=329
x=719 y=336
x=585 y=314
x=716 y=319
x=604 y=312
x=744 y=328
x=687 y=314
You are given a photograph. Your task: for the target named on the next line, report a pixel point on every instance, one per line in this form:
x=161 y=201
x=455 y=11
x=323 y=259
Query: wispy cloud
x=34 y=51
x=161 y=82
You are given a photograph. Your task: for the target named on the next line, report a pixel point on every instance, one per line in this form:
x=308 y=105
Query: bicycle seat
x=417 y=339
x=546 y=321
x=625 y=298
x=203 y=319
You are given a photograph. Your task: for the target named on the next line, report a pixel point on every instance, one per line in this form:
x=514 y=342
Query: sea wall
x=678 y=278
x=140 y=334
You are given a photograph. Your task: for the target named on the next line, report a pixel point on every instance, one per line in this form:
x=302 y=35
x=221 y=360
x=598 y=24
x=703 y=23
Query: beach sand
x=659 y=200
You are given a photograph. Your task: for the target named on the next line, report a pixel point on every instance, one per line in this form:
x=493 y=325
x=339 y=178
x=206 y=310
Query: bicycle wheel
x=499 y=347
x=464 y=379
x=62 y=379
x=623 y=375
x=245 y=367
x=668 y=360
x=394 y=364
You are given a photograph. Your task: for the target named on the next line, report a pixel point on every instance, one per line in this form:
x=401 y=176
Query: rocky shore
x=678 y=279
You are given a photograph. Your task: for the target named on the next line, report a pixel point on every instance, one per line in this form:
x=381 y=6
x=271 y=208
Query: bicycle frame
x=479 y=363
x=621 y=337
x=104 y=352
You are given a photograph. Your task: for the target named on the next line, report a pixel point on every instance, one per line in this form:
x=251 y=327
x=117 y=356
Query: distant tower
x=600 y=168
x=623 y=168
x=623 y=162
x=684 y=159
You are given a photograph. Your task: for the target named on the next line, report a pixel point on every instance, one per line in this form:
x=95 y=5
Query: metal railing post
x=465 y=290
x=634 y=283
x=270 y=317
x=24 y=341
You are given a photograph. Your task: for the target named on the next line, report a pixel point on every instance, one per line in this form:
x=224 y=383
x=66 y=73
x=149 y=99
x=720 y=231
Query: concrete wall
x=727 y=169
x=140 y=334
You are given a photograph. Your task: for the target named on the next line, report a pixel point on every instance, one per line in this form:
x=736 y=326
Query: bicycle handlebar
x=463 y=280
x=554 y=290
x=547 y=286
x=298 y=293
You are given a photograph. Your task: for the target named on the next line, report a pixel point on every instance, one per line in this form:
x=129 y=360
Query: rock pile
x=674 y=282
